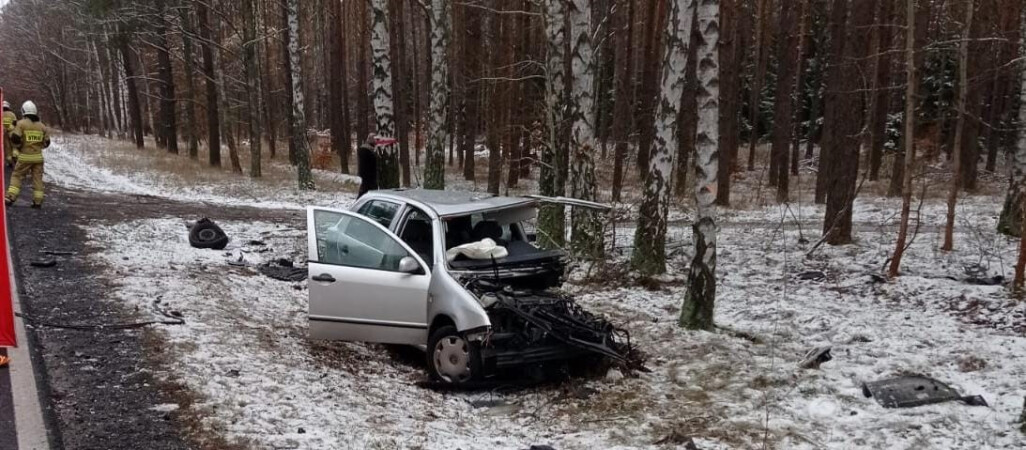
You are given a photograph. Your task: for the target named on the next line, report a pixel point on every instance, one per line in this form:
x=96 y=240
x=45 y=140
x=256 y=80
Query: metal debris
x=915 y=390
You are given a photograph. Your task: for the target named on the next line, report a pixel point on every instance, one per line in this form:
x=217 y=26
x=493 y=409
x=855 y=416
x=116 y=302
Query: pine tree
x=649 y=255
x=210 y=80
x=253 y=80
x=699 y=301
x=910 y=149
x=957 y=173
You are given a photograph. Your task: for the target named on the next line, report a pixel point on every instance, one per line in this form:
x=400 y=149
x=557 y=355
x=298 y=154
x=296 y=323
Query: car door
x=360 y=287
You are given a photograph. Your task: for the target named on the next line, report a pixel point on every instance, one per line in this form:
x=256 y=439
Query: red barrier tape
x=7 y=338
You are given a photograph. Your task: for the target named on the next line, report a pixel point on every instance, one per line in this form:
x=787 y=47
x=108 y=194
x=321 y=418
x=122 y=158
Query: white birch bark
x=649 y=255
x=551 y=223
x=586 y=234
x=304 y=177
x=434 y=176
x=697 y=311
x=384 y=109
x=1011 y=214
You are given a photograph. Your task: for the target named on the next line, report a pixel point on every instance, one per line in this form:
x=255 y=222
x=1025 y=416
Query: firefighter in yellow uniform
x=29 y=138
x=9 y=118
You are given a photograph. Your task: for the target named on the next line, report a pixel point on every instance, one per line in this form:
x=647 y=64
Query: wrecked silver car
x=455 y=274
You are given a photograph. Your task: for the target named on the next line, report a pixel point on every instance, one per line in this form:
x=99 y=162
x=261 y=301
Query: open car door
x=365 y=283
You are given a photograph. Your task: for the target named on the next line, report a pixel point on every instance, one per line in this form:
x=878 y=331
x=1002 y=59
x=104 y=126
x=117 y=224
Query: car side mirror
x=409 y=265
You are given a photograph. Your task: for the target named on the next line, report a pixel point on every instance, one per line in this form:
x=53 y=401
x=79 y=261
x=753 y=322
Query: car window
x=381 y=211
x=345 y=240
x=419 y=235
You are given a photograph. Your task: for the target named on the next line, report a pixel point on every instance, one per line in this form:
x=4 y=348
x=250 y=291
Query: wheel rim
x=207 y=235
x=452 y=359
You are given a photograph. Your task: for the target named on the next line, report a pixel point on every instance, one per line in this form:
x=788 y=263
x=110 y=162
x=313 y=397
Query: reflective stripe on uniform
x=33 y=158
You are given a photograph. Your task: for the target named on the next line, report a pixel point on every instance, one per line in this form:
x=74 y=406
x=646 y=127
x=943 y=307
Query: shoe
x=37 y=205
x=4 y=361
x=8 y=202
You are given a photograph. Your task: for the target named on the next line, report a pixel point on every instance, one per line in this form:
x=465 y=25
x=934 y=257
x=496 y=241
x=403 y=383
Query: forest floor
x=255 y=380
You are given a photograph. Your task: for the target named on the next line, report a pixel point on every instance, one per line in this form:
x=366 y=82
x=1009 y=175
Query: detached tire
x=451 y=358
x=206 y=234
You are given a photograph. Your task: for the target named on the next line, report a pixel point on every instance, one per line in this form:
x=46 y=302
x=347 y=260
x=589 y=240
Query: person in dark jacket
x=367 y=165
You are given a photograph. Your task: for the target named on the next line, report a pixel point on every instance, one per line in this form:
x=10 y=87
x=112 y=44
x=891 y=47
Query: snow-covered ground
x=244 y=350
x=92 y=163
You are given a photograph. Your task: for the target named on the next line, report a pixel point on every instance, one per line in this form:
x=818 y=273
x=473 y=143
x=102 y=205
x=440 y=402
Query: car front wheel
x=451 y=357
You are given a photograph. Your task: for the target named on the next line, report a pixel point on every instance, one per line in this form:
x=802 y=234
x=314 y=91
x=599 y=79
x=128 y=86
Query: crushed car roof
x=453 y=203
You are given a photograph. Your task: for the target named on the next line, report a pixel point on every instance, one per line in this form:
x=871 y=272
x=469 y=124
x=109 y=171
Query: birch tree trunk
x=1011 y=220
x=697 y=310
x=551 y=221
x=388 y=152
x=304 y=177
x=213 y=116
x=649 y=256
x=253 y=80
x=434 y=170
x=910 y=147
x=957 y=153
x=586 y=235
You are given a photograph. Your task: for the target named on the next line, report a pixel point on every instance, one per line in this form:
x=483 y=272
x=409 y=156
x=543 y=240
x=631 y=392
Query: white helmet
x=29 y=108
x=7 y=104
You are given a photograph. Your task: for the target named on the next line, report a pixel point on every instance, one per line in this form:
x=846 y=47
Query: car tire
x=206 y=234
x=451 y=358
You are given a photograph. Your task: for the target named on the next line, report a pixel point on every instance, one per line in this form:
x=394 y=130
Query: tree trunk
x=804 y=39
x=337 y=113
x=269 y=87
x=434 y=171
x=1011 y=220
x=586 y=234
x=648 y=91
x=190 y=85
x=210 y=78
x=400 y=83
x=922 y=25
x=622 y=123
x=699 y=300
x=880 y=97
x=134 y=108
x=649 y=256
x=829 y=137
x=388 y=149
x=551 y=221
x=844 y=152
x=304 y=177
x=783 y=116
x=290 y=93
x=762 y=8
x=168 y=118
x=253 y=80
x=910 y=148
x=959 y=153
x=472 y=98
x=731 y=55
x=362 y=79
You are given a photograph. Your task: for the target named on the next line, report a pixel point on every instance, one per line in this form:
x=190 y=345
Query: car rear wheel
x=451 y=357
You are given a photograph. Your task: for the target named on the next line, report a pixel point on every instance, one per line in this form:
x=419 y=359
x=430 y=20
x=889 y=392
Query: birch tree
x=699 y=300
x=586 y=234
x=1011 y=220
x=649 y=256
x=434 y=170
x=551 y=220
x=388 y=151
x=304 y=177
x=910 y=147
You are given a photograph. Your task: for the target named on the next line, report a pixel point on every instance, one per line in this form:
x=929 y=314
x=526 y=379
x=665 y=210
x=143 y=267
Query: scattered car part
x=815 y=357
x=915 y=390
x=812 y=275
x=43 y=263
x=283 y=273
x=206 y=234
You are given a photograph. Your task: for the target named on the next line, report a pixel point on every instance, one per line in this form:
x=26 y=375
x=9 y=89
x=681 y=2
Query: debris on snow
x=915 y=390
x=206 y=234
x=815 y=357
x=43 y=263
